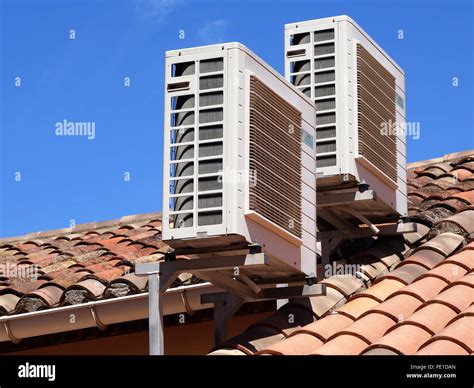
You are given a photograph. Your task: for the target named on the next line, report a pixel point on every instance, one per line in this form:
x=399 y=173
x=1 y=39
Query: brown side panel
x=376 y=108
x=275 y=158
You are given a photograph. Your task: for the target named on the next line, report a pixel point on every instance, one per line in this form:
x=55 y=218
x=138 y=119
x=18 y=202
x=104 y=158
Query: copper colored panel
x=275 y=157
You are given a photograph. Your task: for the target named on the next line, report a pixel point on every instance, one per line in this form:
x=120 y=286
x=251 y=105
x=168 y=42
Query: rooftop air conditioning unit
x=239 y=163
x=359 y=94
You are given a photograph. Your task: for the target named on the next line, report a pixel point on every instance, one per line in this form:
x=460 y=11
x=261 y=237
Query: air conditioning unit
x=239 y=162
x=359 y=94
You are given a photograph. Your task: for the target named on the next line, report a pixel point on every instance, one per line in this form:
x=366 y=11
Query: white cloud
x=214 y=31
x=156 y=10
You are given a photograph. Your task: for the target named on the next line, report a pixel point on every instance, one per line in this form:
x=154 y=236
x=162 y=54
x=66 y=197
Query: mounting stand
x=347 y=201
x=227 y=272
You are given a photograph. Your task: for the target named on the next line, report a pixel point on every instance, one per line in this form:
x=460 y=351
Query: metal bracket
x=227 y=304
x=226 y=272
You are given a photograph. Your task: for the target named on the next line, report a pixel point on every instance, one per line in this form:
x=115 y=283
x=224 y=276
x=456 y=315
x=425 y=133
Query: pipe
x=101 y=313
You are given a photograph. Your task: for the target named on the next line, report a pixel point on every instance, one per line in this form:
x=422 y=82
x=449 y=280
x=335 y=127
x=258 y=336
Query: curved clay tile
x=40 y=299
x=84 y=291
x=460 y=223
x=344 y=344
x=406 y=338
x=444 y=243
x=383 y=289
x=405 y=274
x=424 y=288
x=254 y=339
x=456 y=296
x=301 y=344
x=357 y=306
x=371 y=326
x=425 y=316
x=442 y=347
x=8 y=303
x=424 y=257
x=347 y=285
x=448 y=271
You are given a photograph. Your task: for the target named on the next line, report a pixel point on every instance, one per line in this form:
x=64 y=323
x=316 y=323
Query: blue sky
x=72 y=178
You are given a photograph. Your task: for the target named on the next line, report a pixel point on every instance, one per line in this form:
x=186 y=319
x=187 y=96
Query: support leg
x=325 y=255
x=225 y=306
x=155 y=316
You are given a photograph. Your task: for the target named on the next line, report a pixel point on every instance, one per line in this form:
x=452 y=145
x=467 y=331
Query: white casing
x=239 y=63
x=348 y=160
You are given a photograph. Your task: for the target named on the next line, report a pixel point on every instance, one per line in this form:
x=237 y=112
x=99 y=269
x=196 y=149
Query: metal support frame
x=226 y=272
x=341 y=200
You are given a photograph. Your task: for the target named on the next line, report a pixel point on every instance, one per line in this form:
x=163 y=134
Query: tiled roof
x=411 y=295
x=76 y=265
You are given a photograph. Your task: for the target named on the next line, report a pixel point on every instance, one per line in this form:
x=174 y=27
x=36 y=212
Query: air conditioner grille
x=197 y=146
x=376 y=113
x=275 y=158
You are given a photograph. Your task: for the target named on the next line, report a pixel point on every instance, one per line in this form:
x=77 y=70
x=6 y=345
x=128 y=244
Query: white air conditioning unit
x=239 y=162
x=359 y=94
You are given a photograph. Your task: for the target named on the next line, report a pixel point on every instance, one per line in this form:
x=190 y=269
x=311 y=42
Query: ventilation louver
x=376 y=113
x=196 y=196
x=275 y=153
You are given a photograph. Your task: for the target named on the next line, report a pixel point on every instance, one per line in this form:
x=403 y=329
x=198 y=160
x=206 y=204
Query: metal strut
x=221 y=271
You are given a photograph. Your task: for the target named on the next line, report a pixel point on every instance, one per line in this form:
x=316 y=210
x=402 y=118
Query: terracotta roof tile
x=8 y=303
x=341 y=345
x=442 y=347
x=424 y=257
x=465 y=258
x=22 y=286
x=290 y=316
x=357 y=306
x=431 y=216
x=447 y=271
x=406 y=273
x=254 y=339
x=456 y=296
x=84 y=291
x=459 y=332
x=405 y=339
x=326 y=327
x=381 y=290
x=371 y=326
x=467 y=197
x=445 y=243
x=414 y=237
x=398 y=307
x=301 y=344
x=461 y=224
x=323 y=303
x=379 y=352
x=347 y=285
x=424 y=317
x=424 y=288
